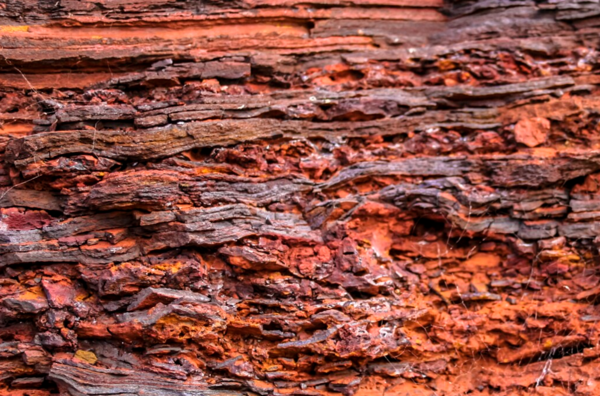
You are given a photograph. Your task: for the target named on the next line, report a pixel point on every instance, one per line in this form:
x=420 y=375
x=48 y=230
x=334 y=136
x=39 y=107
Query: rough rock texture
x=308 y=198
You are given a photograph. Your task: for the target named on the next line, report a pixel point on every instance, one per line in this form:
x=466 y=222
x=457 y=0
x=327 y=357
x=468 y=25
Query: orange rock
x=532 y=131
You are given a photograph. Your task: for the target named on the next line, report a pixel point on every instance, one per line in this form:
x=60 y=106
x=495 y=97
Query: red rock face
x=321 y=197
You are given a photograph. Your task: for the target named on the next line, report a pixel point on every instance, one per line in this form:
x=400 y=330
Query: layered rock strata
x=307 y=198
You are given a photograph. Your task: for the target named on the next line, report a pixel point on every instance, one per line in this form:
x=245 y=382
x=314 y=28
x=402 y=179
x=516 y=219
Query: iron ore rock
x=299 y=197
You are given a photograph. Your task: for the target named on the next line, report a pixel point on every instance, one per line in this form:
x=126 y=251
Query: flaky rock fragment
x=532 y=132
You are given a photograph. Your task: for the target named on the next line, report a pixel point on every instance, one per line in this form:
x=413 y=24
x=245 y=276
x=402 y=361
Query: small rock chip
x=87 y=356
x=27 y=382
x=532 y=131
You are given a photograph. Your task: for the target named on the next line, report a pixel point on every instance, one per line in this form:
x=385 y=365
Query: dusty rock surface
x=307 y=198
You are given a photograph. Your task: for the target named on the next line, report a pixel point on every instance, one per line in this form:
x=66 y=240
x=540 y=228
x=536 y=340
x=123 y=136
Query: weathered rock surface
x=307 y=198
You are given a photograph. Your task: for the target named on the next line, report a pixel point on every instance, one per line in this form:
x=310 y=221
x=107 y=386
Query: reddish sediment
x=303 y=198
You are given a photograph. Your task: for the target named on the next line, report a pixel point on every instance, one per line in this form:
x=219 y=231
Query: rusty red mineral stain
x=303 y=198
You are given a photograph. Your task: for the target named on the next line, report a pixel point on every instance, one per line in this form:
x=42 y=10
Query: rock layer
x=320 y=197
